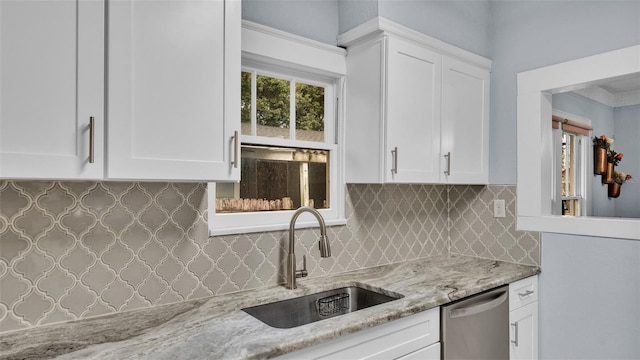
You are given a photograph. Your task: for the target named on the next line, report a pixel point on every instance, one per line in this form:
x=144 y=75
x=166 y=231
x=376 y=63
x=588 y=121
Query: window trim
x=273 y=51
x=535 y=88
x=584 y=167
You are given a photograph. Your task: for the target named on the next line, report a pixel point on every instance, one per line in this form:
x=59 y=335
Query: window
x=570 y=175
x=285 y=161
x=290 y=154
x=571 y=180
x=277 y=178
x=275 y=107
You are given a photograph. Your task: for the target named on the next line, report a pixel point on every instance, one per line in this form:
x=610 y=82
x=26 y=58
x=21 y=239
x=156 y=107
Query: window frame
x=278 y=54
x=534 y=109
x=583 y=167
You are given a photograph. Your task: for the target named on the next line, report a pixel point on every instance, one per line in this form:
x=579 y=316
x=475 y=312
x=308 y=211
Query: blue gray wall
x=589 y=293
x=463 y=23
x=532 y=34
x=627 y=141
x=313 y=19
x=354 y=12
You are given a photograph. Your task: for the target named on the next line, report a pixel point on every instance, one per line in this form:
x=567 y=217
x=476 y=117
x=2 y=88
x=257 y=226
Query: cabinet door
x=364 y=146
x=524 y=332
x=391 y=340
x=173 y=89
x=51 y=84
x=413 y=113
x=465 y=123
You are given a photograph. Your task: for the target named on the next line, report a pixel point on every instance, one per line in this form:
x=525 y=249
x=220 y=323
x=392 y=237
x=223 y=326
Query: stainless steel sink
x=302 y=310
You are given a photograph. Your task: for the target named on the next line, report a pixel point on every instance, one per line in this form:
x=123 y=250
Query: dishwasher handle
x=480 y=307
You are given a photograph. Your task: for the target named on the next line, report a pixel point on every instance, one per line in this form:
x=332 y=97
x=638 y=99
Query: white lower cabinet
x=413 y=337
x=523 y=319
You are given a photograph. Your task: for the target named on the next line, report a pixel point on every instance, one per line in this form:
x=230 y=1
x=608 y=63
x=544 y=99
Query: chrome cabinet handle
x=235 y=149
x=394 y=153
x=91 y=139
x=515 y=334
x=526 y=293
x=448 y=156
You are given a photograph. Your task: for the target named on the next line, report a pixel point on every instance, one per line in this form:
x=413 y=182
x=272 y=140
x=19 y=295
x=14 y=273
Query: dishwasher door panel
x=477 y=327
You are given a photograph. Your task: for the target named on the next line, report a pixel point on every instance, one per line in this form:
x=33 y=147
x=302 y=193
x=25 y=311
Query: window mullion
x=254 y=103
x=292 y=109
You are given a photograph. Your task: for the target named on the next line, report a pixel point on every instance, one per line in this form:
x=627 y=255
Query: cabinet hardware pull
x=526 y=293
x=91 y=139
x=235 y=149
x=394 y=153
x=448 y=156
x=515 y=333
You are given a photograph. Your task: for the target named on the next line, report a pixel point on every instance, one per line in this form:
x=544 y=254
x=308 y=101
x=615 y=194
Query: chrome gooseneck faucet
x=325 y=250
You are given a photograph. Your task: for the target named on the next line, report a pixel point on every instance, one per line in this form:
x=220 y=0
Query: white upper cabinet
x=412 y=124
x=465 y=122
x=173 y=89
x=417 y=109
x=172 y=99
x=51 y=85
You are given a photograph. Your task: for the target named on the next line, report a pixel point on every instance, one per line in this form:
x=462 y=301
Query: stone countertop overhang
x=216 y=328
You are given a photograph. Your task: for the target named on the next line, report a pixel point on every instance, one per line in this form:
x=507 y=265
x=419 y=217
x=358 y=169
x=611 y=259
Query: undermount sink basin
x=306 y=309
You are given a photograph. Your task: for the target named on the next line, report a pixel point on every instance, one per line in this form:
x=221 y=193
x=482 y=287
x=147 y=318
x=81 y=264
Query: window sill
x=272 y=227
x=620 y=228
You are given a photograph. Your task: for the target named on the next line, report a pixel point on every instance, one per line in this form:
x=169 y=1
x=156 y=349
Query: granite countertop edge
x=216 y=327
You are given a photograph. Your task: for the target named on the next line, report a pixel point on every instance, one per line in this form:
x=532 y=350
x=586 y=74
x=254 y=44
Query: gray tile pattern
x=475 y=232
x=72 y=250
x=216 y=328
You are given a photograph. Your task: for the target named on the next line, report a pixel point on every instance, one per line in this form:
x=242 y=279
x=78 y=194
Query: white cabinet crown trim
x=260 y=43
x=378 y=25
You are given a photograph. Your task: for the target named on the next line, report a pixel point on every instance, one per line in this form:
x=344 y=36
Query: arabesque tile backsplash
x=72 y=250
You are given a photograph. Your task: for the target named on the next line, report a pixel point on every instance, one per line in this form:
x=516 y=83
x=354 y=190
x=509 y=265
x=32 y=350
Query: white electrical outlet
x=498 y=208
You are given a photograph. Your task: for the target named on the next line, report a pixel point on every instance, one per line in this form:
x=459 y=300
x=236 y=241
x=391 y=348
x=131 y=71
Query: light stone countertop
x=216 y=328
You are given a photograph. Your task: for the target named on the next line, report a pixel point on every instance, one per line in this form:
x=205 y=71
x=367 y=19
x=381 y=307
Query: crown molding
x=602 y=96
x=379 y=26
x=263 y=43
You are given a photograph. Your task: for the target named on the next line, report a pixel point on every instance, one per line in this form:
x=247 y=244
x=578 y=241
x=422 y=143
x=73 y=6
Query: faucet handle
x=303 y=272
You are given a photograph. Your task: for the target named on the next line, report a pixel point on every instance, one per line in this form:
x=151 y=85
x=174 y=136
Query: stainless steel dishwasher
x=477 y=327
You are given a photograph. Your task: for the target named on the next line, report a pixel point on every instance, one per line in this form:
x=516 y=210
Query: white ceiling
x=617 y=92
x=628 y=83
